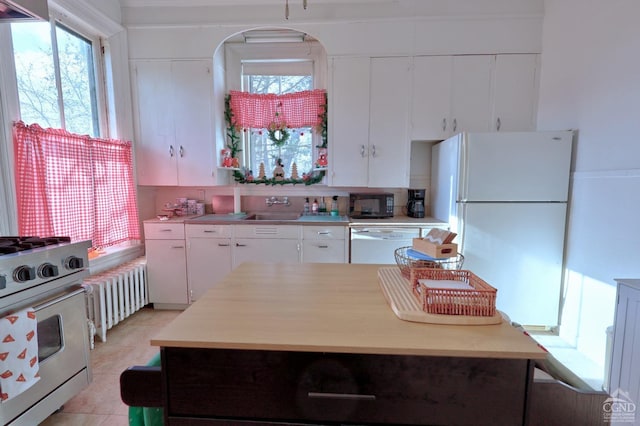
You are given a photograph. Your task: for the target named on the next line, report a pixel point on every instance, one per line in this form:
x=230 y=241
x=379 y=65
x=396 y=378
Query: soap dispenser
x=334 y=205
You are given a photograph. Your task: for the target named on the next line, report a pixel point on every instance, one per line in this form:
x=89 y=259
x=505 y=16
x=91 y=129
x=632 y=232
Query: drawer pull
x=324 y=232
x=323 y=246
x=332 y=395
x=223 y=245
x=209 y=231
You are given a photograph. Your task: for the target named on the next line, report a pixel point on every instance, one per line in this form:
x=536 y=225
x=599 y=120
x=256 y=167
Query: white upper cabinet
x=431 y=98
x=349 y=121
x=389 y=122
x=174 y=129
x=476 y=93
x=515 y=93
x=471 y=93
x=368 y=123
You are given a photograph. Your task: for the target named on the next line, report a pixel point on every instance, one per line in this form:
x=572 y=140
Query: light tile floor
x=127 y=344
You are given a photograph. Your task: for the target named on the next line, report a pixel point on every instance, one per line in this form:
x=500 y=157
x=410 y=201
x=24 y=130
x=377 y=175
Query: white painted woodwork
x=515 y=92
x=166 y=263
x=625 y=358
x=349 y=121
x=471 y=94
x=208 y=257
x=174 y=122
x=389 y=123
x=325 y=244
x=431 y=97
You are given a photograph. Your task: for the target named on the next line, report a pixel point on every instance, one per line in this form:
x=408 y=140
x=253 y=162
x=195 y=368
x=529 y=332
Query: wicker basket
x=406 y=262
x=479 y=301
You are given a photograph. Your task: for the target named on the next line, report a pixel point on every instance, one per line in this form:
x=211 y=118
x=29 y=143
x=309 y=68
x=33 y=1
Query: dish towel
x=18 y=353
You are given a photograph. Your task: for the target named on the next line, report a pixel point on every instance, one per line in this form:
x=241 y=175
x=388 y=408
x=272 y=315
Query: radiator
x=114 y=295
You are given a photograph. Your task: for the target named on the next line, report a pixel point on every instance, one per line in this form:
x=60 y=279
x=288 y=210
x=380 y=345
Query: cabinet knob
x=171 y=150
x=181 y=151
x=373 y=150
x=444 y=124
x=455 y=124
x=363 y=151
x=498 y=124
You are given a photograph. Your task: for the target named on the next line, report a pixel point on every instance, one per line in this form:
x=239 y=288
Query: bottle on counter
x=322 y=207
x=306 y=205
x=334 y=205
x=314 y=206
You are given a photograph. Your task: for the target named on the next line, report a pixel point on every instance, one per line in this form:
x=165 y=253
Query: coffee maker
x=415 y=205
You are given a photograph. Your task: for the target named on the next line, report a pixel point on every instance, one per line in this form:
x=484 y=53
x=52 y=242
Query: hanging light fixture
x=286 y=7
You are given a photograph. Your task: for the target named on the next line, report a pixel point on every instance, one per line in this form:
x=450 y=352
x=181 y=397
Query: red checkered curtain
x=73 y=185
x=293 y=110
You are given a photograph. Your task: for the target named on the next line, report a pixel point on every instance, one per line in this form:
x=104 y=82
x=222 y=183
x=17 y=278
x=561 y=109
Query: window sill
x=114 y=256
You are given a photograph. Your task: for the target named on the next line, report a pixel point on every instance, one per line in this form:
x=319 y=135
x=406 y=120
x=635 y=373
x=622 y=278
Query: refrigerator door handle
x=463 y=181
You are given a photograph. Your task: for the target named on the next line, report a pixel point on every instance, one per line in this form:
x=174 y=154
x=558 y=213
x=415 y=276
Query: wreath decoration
x=278 y=134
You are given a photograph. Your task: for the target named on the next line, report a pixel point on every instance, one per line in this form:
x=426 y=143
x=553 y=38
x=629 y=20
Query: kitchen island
x=318 y=344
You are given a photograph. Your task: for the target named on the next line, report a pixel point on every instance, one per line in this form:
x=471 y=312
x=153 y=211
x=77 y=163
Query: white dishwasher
x=376 y=244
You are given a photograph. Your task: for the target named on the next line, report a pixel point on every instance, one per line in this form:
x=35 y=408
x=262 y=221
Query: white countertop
x=230 y=218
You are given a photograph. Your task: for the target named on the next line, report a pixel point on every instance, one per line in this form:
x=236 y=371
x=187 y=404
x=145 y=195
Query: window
x=56 y=77
x=277 y=68
x=69 y=181
x=299 y=147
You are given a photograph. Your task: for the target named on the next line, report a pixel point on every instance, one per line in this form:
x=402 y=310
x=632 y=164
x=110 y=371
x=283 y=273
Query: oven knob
x=73 y=262
x=24 y=273
x=3 y=282
x=47 y=270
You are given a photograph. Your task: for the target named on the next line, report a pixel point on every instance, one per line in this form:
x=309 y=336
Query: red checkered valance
x=74 y=185
x=293 y=110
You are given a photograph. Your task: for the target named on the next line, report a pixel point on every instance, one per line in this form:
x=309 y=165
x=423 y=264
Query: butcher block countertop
x=326 y=308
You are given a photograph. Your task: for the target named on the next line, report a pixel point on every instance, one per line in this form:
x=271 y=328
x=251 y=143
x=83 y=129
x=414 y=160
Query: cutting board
x=397 y=291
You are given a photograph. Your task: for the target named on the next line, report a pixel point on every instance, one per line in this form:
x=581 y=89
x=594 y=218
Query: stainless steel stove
x=46 y=274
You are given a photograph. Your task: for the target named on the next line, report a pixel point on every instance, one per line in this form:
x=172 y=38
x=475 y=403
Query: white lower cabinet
x=184 y=261
x=166 y=263
x=266 y=243
x=624 y=377
x=208 y=257
x=325 y=244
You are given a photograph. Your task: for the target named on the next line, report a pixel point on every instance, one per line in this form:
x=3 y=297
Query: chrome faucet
x=274 y=200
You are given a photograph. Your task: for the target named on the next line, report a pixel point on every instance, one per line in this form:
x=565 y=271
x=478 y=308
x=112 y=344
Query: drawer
x=323 y=251
x=163 y=231
x=351 y=388
x=208 y=231
x=324 y=232
x=267 y=231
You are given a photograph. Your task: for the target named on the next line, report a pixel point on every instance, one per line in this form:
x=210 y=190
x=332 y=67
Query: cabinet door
x=515 y=80
x=155 y=145
x=192 y=113
x=209 y=261
x=625 y=364
x=431 y=97
x=471 y=93
x=389 y=122
x=167 y=271
x=265 y=250
x=349 y=122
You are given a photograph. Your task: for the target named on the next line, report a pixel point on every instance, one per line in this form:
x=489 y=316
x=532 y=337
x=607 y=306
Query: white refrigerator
x=505 y=195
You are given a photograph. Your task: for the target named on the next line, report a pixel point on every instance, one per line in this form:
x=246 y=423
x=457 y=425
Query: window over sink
x=276 y=68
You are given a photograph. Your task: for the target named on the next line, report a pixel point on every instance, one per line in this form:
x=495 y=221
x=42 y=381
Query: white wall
x=590 y=81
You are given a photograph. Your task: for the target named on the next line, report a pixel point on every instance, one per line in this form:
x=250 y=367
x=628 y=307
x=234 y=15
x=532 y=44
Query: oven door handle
x=59 y=298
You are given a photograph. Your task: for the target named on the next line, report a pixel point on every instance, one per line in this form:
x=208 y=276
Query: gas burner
x=12 y=244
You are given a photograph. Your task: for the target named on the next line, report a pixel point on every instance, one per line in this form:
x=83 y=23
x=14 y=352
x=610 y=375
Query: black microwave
x=375 y=205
